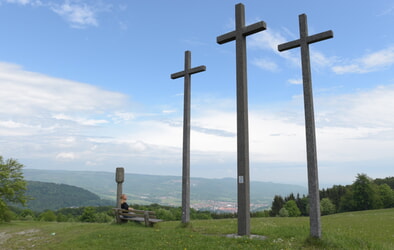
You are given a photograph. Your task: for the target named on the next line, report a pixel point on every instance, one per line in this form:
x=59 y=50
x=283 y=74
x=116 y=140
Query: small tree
x=277 y=204
x=88 y=215
x=292 y=209
x=61 y=217
x=283 y=212
x=347 y=202
x=386 y=195
x=12 y=186
x=327 y=207
x=48 y=215
x=302 y=204
x=165 y=214
x=365 y=193
x=27 y=214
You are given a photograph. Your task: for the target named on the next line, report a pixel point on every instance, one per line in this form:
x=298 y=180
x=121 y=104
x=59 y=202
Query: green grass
x=357 y=230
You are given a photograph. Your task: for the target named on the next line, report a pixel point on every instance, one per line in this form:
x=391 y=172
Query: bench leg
x=146 y=218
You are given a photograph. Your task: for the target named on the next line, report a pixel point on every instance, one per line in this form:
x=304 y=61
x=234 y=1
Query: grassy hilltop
x=373 y=229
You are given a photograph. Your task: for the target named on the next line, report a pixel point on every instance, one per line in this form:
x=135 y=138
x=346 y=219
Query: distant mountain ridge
x=164 y=190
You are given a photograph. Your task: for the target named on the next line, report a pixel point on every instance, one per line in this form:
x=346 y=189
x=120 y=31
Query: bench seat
x=148 y=217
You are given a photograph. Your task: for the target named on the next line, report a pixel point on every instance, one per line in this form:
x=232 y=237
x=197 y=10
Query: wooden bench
x=148 y=217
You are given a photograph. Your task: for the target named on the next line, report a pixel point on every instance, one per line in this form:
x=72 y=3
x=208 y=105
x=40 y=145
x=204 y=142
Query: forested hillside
x=53 y=196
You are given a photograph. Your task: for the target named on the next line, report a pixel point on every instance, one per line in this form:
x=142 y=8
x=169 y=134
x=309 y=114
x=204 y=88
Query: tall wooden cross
x=239 y=35
x=186 y=73
x=313 y=179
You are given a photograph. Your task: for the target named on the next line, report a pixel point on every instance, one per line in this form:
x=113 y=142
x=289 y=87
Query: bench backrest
x=122 y=214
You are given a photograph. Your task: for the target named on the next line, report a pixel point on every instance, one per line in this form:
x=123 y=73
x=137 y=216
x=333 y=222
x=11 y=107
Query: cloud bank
x=371 y=62
x=48 y=122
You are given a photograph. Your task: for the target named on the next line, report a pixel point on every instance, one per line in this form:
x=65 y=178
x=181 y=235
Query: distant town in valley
x=226 y=207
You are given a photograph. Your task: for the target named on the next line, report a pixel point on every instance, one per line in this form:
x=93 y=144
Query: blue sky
x=85 y=85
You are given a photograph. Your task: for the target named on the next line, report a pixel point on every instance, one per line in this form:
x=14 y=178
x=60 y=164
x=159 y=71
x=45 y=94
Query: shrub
x=48 y=216
x=292 y=209
x=327 y=207
x=283 y=212
x=88 y=215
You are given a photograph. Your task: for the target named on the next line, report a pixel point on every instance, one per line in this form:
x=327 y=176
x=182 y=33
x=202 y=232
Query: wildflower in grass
x=278 y=240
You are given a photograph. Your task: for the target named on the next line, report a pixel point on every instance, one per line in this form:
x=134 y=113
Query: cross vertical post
x=186 y=73
x=313 y=178
x=239 y=35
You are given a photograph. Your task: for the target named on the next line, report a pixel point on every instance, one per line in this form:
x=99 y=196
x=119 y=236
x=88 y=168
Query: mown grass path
x=356 y=230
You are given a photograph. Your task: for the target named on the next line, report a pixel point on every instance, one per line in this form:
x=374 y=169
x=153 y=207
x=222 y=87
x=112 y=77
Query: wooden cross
x=239 y=35
x=186 y=73
x=313 y=178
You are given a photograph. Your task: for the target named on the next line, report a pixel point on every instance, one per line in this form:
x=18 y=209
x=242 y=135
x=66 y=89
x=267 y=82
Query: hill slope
x=371 y=229
x=54 y=196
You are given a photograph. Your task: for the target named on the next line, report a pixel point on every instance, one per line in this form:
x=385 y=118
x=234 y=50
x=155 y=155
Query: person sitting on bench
x=124 y=205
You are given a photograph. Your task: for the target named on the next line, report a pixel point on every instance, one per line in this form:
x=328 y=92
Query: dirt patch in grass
x=30 y=236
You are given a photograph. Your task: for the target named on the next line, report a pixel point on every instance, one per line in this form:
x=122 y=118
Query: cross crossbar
x=304 y=38
x=188 y=70
x=310 y=39
x=246 y=31
x=240 y=29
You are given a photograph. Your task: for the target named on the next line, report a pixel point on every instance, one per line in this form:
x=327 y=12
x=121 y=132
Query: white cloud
x=345 y=124
x=80 y=120
x=375 y=61
x=10 y=128
x=270 y=39
x=124 y=116
x=66 y=156
x=319 y=59
x=22 y=2
x=40 y=114
x=78 y=14
x=370 y=108
x=167 y=111
x=388 y=10
x=266 y=64
x=26 y=92
x=295 y=81
x=11 y=124
x=64 y=122
x=267 y=40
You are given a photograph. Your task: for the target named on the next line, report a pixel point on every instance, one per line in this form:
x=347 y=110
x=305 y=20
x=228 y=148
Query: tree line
x=364 y=194
x=101 y=214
